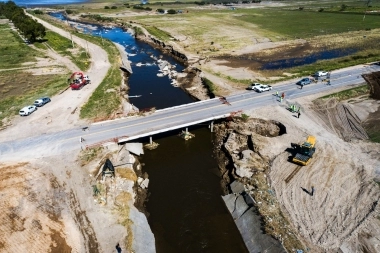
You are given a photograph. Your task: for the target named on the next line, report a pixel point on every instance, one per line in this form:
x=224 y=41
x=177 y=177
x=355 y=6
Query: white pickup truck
x=263 y=87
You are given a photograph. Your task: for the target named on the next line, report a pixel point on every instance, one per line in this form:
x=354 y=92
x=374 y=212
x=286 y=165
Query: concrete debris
x=144 y=184
x=237 y=187
x=249 y=225
x=135 y=148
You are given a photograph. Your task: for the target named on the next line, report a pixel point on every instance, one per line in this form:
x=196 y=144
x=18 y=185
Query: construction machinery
x=78 y=80
x=305 y=151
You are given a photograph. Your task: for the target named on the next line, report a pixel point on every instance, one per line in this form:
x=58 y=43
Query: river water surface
x=187 y=213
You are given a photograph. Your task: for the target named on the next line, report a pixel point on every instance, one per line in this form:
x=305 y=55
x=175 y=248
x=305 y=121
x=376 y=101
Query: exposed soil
x=342 y=173
x=254 y=61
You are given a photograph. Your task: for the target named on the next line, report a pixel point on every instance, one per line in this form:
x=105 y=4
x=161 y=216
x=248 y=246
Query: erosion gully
x=186 y=212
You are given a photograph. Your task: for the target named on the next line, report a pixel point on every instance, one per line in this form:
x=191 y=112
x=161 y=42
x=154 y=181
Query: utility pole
x=88 y=51
x=71 y=36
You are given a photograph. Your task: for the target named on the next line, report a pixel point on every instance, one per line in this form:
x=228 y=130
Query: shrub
x=343 y=7
x=321 y=9
x=69 y=11
x=300 y=8
x=244 y=117
x=106 y=7
x=38 y=12
x=160 y=10
x=210 y=86
x=171 y=11
x=114 y=7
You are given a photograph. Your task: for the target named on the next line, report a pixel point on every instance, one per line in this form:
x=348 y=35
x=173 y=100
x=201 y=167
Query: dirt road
x=63 y=111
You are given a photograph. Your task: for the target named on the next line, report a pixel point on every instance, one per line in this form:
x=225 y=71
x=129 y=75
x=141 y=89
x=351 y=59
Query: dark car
x=304 y=81
x=41 y=101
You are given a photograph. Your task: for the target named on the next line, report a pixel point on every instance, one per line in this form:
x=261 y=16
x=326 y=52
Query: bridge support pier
x=212 y=126
x=150 y=140
x=187 y=130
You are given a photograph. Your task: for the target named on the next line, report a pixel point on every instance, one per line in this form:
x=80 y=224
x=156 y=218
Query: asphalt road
x=172 y=118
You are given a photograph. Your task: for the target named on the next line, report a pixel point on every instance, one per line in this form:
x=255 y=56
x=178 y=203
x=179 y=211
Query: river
x=187 y=213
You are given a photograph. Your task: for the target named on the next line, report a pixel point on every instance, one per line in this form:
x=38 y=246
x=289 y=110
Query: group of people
x=295 y=109
x=282 y=97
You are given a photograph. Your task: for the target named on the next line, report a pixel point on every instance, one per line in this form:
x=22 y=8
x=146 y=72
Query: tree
x=29 y=28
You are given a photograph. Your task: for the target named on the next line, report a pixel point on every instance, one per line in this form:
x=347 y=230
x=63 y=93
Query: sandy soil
x=48 y=207
x=344 y=206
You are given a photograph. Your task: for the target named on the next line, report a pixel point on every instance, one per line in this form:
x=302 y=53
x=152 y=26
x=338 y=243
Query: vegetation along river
x=186 y=211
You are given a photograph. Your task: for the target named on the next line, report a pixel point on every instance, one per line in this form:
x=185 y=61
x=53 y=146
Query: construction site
x=298 y=175
x=313 y=179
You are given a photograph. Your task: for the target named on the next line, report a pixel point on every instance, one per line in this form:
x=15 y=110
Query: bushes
x=211 y=88
x=98 y=18
x=140 y=7
x=171 y=11
x=38 y=12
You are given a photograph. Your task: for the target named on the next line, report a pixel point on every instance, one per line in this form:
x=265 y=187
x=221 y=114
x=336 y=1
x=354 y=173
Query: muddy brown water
x=187 y=213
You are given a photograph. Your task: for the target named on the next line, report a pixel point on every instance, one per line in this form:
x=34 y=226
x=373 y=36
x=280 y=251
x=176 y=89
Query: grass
x=159 y=34
x=279 y=24
x=19 y=88
x=13 y=51
x=211 y=88
x=350 y=93
x=63 y=46
x=25 y=88
x=102 y=103
x=374 y=135
x=88 y=155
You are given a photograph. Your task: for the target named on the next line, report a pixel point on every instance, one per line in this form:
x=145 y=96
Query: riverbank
x=277 y=223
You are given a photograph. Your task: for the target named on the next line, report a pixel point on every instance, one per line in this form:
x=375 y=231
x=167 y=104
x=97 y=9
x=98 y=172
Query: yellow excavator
x=305 y=151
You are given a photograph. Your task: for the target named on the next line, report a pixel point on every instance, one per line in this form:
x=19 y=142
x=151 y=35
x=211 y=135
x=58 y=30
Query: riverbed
x=186 y=210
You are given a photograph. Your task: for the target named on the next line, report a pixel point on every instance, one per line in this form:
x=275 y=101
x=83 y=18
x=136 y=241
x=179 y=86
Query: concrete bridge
x=179 y=117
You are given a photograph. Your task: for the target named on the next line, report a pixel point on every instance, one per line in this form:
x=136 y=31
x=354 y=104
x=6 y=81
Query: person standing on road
x=276 y=93
x=301 y=86
x=283 y=95
x=299 y=113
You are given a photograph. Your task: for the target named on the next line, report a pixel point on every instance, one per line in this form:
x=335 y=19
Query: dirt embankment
x=340 y=213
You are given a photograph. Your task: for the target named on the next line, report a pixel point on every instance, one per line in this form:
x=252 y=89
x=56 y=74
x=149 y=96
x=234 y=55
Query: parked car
x=304 y=81
x=264 y=87
x=321 y=73
x=27 y=110
x=253 y=86
x=42 y=101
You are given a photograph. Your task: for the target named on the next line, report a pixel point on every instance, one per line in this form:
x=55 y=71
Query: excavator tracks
x=295 y=171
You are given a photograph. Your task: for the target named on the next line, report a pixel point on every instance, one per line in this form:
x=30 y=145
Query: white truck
x=253 y=86
x=263 y=87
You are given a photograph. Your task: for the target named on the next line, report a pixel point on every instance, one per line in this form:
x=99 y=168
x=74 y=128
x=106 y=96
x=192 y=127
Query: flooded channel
x=187 y=213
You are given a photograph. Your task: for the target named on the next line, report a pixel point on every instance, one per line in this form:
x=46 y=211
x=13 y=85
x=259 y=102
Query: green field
x=13 y=51
x=289 y=24
x=23 y=88
x=63 y=46
x=19 y=88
